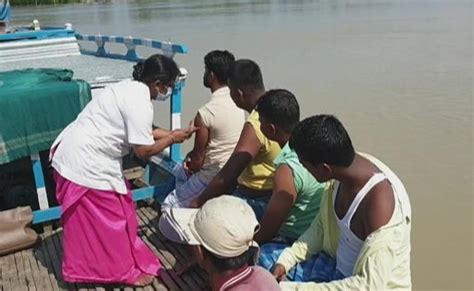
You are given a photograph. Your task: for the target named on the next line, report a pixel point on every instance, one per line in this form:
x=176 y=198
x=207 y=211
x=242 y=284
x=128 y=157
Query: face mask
x=162 y=97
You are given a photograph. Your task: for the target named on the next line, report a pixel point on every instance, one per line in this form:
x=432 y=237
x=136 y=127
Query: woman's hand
x=279 y=272
x=180 y=135
x=162 y=140
x=191 y=129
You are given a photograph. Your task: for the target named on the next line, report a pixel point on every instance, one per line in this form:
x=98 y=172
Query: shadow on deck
x=40 y=268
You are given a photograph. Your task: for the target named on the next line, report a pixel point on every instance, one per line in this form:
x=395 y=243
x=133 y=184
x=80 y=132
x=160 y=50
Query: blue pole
x=175 y=115
x=5 y=13
x=39 y=181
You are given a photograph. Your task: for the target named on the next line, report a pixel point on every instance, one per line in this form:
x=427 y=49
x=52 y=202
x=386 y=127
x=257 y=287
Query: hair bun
x=138 y=71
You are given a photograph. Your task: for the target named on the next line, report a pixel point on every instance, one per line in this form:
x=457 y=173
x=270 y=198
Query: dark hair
x=157 y=67
x=219 y=62
x=322 y=139
x=227 y=264
x=281 y=108
x=246 y=75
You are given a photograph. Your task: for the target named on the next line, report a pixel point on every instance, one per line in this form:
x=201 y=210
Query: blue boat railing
x=168 y=48
x=165 y=161
x=47 y=33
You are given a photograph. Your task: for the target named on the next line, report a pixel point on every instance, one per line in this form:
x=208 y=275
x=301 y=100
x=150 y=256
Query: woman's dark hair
x=156 y=68
x=322 y=139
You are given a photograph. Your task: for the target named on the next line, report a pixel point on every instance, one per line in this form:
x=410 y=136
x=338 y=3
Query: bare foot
x=144 y=280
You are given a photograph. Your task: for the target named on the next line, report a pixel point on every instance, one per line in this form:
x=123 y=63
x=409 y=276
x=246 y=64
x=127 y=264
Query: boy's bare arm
x=282 y=201
x=196 y=157
x=246 y=149
x=379 y=207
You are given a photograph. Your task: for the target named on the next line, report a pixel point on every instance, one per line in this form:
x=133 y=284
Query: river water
x=399 y=74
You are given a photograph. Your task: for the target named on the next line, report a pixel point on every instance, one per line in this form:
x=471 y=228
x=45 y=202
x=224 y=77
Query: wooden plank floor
x=39 y=268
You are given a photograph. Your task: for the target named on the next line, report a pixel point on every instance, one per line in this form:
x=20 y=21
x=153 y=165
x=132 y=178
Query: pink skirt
x=100 y=241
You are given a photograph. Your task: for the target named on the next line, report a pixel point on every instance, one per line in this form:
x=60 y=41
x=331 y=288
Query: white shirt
x=225 y=122
x=89 y=151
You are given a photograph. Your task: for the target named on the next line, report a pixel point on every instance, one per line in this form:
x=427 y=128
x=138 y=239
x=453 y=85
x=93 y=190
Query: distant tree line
x=43 y=2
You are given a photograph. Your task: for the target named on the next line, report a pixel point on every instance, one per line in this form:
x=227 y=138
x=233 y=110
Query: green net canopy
x=35 y=105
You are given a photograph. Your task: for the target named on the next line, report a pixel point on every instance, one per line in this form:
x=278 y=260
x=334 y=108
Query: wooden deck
x=39 y=268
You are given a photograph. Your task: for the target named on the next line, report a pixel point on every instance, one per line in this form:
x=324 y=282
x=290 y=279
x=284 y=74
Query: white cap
x=225 y=226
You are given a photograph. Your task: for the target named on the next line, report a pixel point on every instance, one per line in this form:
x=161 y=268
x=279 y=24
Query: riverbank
x=48 y=2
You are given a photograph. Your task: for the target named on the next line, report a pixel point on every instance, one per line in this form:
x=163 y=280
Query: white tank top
x=349 y=244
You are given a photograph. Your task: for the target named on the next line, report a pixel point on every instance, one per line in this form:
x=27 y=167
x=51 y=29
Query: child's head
x=245 y=79
x=322 y=142
x=217 y=66
x=279 y=113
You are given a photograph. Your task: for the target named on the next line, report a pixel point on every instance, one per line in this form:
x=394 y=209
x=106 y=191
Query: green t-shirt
x=309 y=193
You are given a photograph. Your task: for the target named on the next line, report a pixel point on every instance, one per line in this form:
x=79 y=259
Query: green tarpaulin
x=35 y=105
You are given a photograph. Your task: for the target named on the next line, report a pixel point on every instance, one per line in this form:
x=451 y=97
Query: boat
x=62 y=49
